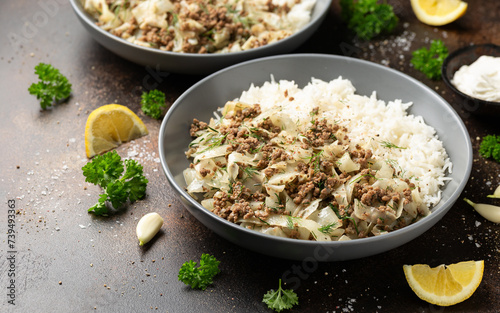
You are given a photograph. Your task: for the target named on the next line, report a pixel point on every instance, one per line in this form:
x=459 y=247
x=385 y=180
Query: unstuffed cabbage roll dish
x=201 y=26
x=316 y=163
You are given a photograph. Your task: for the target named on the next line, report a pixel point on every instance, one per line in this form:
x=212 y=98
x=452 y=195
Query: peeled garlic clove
x=148 y=227
x=496 y=194
x=488 y=211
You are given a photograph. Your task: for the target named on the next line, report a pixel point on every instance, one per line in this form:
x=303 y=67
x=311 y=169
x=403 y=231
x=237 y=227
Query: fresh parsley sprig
x=367 y=18
x=280 y=299
x=106 y=171
x=52 y=87
x=199 y=277
x=490 y=147
x=429 y=61
x=152 y=103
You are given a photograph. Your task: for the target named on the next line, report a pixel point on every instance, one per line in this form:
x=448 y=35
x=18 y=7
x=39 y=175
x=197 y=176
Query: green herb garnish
x=490 y=147
x=106 y=171
x=280 y=299
x=336 y=210
x=367 y=18
x=390 y=145
x=152 y=103
x=429 y=61
x=52 y=87
x=199 y=277
x=326 y=229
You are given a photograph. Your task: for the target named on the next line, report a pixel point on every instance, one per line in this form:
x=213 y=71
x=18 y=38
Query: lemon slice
x=109 y=126
x=445 y=285
x=438 y=12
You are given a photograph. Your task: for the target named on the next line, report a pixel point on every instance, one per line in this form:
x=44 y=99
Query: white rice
x=369 y=122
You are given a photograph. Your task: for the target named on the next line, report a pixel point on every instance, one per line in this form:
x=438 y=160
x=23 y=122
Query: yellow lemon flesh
x=445 y=285
x=438 y=12
x=109 y=126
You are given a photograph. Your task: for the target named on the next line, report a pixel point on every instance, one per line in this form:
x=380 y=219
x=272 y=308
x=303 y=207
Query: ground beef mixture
x=319 y=178
x=194 y=26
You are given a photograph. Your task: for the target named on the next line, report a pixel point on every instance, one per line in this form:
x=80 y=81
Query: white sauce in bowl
x=481 y=79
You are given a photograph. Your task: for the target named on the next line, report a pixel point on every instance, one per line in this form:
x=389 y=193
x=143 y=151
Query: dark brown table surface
x=69 y=261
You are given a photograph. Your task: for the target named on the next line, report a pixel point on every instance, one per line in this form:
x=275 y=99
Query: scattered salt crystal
x=132 y=154
x=57 y=229
x=72 y=140
x=478 y=245
x=470 y=237
x=478 y=223
x=82 y=226
x=157 y=160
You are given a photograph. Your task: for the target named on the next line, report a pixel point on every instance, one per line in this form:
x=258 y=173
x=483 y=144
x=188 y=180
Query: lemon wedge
x=438 y=12
x=109 y=126
x=445 y=285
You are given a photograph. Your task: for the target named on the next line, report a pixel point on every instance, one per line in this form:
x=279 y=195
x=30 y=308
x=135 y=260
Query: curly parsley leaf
x=367 y=18
x=280 y=299
x=429 y=61
x=52 y=87
x=152 y=103
x=105 y=171
x=490 y=147
x=199 y=277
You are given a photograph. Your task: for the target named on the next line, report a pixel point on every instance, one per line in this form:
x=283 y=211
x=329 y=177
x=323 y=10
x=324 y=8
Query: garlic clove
x=488 y=211
x=495 y=194
x=147 y=227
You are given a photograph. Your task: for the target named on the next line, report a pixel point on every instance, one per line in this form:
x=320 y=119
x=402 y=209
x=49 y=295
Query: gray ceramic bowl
x=191 y=63
x=212 y=92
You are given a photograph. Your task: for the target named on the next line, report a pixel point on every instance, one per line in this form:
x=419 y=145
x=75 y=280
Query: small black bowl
x=466 y=56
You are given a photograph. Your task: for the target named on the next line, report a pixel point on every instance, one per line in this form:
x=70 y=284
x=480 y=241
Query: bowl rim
x=458 y=53
x=334 y=244
x=78 y=8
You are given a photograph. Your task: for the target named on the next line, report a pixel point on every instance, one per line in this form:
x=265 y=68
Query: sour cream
x=481 y=79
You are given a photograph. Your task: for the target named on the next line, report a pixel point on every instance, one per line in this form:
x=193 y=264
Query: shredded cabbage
x=299 y=176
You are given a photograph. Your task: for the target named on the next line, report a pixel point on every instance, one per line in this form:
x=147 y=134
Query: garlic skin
x=147 y=227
